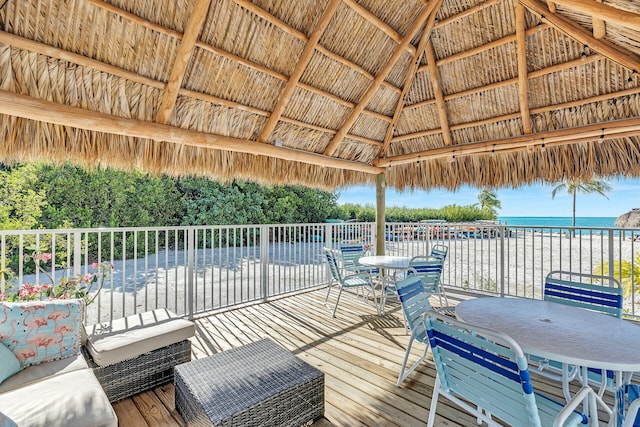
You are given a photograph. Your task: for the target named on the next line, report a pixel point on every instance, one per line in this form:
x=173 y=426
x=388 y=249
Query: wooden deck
x=359 y=352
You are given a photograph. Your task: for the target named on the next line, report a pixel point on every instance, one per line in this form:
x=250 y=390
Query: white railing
x=194 y=270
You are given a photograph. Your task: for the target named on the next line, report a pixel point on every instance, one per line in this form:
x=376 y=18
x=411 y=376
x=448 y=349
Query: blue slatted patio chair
x=430 y=271
x=415 y=303
x=355 y=281
x=351 y=255
x=439 y=251
x=591 y=292
x=485 y=373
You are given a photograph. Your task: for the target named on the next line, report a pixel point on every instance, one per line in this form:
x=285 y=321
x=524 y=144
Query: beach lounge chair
x=415 y=303
x=591 y=292
x=485 y=372
x=355 y=281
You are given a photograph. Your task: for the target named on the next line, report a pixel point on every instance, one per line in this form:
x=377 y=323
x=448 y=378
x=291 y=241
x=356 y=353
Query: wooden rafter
x=605 y=12
x=300 y=36
x=27 y=107
x=551 y=5
x=533 y=74
x=483 y=48
x=411 y=73
x=523 y=81
x=398 y=52
x=187 y=45
x=512 y=116
x=305 y=57
x=441 y=105
x=556 y=137
x=611 y=51
x=155 y=27
x=599 y=26
x=465 y=13
x=63 y=55
x=383 y=26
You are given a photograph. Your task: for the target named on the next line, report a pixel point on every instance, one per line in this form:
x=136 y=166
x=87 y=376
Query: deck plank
x=359 y=352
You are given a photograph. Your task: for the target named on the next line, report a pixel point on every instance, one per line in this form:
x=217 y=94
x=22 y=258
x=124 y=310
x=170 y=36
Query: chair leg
x=335 y=307
x=326 y=299
x=442 y=294
x=405 y=373
x=434 y=402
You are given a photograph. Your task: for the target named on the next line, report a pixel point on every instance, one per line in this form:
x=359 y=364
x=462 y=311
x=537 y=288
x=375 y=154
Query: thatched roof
x=629 y=219
x=326 y=92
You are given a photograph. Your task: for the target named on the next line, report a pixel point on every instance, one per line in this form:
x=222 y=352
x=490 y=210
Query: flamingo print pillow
x=41 y=331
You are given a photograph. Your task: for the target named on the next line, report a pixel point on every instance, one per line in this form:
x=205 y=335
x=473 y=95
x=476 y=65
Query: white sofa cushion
x=42 y=371
x=70 y=399
x=129 y=337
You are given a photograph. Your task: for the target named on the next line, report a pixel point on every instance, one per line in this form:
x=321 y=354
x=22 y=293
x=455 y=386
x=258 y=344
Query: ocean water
x=558 y=221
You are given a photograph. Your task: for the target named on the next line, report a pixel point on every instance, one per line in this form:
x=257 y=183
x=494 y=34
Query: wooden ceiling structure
x=326 y=93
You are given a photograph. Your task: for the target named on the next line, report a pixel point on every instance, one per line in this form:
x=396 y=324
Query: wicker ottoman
x=259 y=384
x=138 y=352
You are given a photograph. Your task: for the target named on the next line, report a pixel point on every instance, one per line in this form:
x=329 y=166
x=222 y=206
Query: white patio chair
x=356 y=281
x=485 y=372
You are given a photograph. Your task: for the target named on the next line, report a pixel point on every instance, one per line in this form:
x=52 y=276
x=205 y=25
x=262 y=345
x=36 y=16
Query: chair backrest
x=597 y=293
x=483 y=366
x=333 y=265
x=439 y=251
x=429 y=269
x=351 y=254
x=414 y=300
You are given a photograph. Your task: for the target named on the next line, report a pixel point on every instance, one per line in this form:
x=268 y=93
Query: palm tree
x=576 y=185
x=488 y=201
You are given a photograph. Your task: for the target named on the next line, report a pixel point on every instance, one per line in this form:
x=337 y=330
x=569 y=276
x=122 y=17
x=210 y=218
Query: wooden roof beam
x=604 y=12
x=599 y=26
x=383 y=26
x=533 y=74
x=411 y=73
x=302 y=37
x=483 y=48
x=30 y=108
x=398 y=52
x=611 y=51
x=303 y=61
x=73 y=58
x=441 y=105
x=246 y=62
x=523 y=81
x=465 y=13
x=512 y=116
x=187 y=45
x=557 y=137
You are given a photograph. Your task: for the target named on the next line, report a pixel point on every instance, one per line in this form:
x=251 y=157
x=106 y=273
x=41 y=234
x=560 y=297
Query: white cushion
x=129 y=337
x=42 y=371
x=71 y=399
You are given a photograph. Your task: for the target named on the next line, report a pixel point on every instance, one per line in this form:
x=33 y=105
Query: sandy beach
x=228 y=276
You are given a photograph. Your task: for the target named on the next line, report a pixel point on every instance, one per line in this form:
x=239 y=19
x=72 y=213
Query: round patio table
x=567 y=334
x=386 y=262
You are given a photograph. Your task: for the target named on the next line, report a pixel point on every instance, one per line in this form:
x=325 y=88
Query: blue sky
x=532 y=200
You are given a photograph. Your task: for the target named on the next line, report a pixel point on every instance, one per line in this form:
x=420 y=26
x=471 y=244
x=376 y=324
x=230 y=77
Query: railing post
x=190 y=270
x=503 y=230
x=610 y=239
x=77 y=253
x=264 y=261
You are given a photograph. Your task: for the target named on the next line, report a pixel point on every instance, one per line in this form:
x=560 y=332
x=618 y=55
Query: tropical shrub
x=626 y=272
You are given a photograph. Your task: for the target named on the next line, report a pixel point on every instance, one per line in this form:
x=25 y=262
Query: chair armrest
x=365 y=274
x=631 y=414
x=563 y=415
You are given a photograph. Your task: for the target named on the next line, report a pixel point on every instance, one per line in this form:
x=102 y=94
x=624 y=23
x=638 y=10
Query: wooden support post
x=381 y=188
